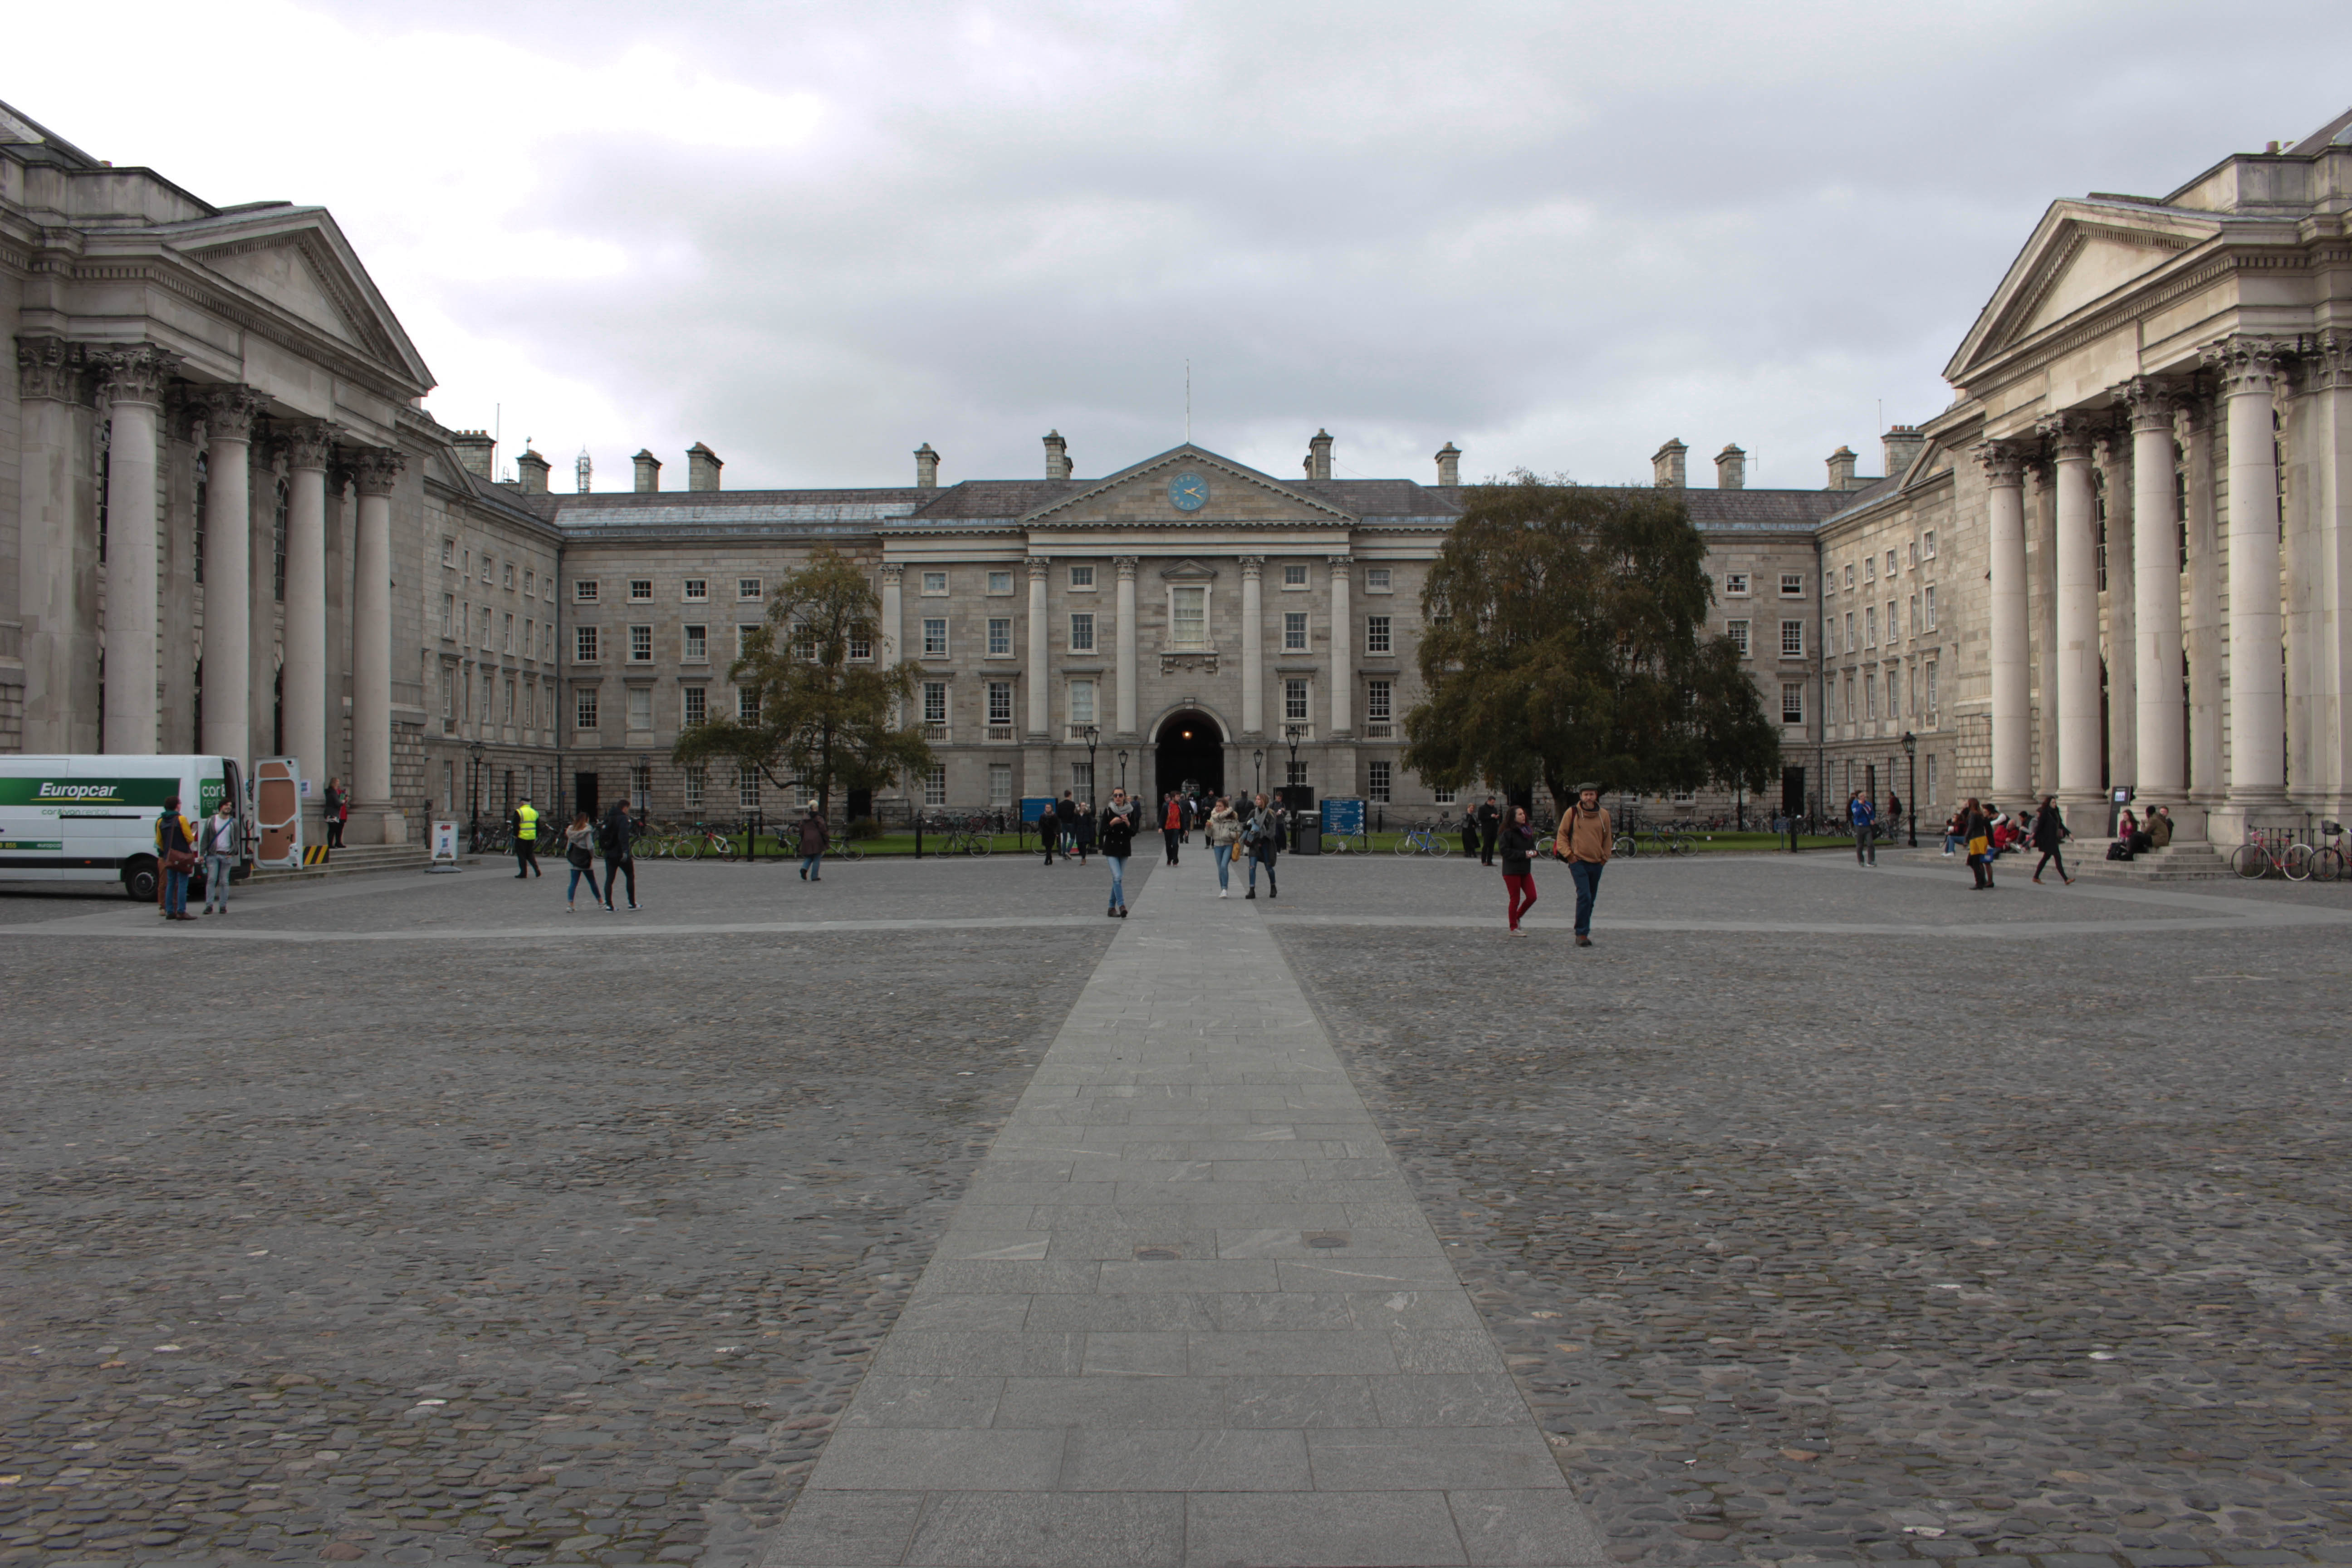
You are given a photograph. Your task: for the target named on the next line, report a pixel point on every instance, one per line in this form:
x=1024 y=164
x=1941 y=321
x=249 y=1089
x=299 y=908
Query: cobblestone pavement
x=1880 y=1245
x=471 y=1249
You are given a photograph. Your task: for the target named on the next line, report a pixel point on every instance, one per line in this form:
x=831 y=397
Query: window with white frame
x=584 y=591
x=1296 y=704
x=698 y=645
x=935 y=702
x=1870 y=567
x=935 y=786
x=1082 y=631
x=506 y=635
x=486 y=629
x=1082 y=577
x=641 y=787
x=1792 y=640
x=1914 y=686
x=529 y=583
x=1932 y=790
x=804 y=642
x=1187 y=616
x=506 y=577
x=1294 y=631
x=1734 y=585
x=861 y=642
x=584 y=707
x=1377 y=640
x=1294 y=574
x=449 y=615
x=746 y=587
x=1792 y=585
x=934 y=584
x=1931 y=690
x=935 y=637
x=1738 y=632
x=1792 y=702
x=1379 y=580
x=747 y=786
x=1000 y=581
x=530 y=636
x=747 y=704
x=449 y=552
x=1890 y=623
x=547 y=641
x=698 y=590
x=1000 y=636
x=487 y=576
x=1000 y=783
x=583 y=644
x=743 y=638
x=1890 y=564
x=1850 y=644
x=1082 y=779
x=1442 y=793
x=1380 y=701
x=1849 y=577
x=1849 y=696
x=1894 y=691
x=692 y=782
x=1911 y=559
x=1914 y=622
x=641 y=707
x=1295 y=773
x=1927 y=604
x=641 y=644
x=1082 y=701
x=1376 y=780
x=641 y=590
x=1000 y=704
x=697 y=703
x=1870 y=694
x=510 y=695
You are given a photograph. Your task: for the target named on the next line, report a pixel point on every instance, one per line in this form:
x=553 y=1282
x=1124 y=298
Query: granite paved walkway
x=1188 y=1314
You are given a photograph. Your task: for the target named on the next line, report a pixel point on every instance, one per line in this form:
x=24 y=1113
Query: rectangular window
x=1082 y=576
x=1792 y=585
x=1295 y=773
x=1441 y=795
x=640 y=787
x=861 y=641
x=1792 y=702
x=1914 y=687
x=747 y=705
x=449 y=552
x=935 y=786
x=1890 y=564
x=530 y=584
x=1849 y=577
x=804 y=643
x=1927 y=604
x=697 y=589
x=1932 y=790
x=1188 y=625
x=1870 y=694
x=1895 y=691
x=530 y=636
x=1000 y=581
x=1000 y=703
x=935 y=583
x=1915 y=623
x=697 y=704
x=487 y=576
x=1082 y=703
x=1082 y=632
x=693 y=782
x=698 y=643
x=1082 y=779
x=448 y=614
x=1380 y=701
x=747 y=786
x=510 y=695
x=1000 y=636
x=1870 y=627
x=1379 y=580
x=584 y=592
x=1850 y=644
x=1931 y=690
x=641 y=707
x=1734 y=585
x=1294 y=576
x=1738 y=632
x=1792 y=640
x=1377 y=639
x=935 y=638
x=584 y=707
x=583 y=644
x=486 y=629
x=1912 y=550
x=746 y=587
x=1928 y=545
x=641 y=590
x=935 y=702
x=1294 y=708
x=1376 y=780
x=641 y=644
x=1294 y=631
x=1000 y=783
x=1849 y=696
x=1870 y=567
x=1891 y=625
x=506 y=577
x=506 y=635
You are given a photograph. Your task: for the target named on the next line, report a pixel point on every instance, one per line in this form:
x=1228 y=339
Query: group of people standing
x=1067 y=826
x=1584 y=839
x=584 y=839
x=1252 y=830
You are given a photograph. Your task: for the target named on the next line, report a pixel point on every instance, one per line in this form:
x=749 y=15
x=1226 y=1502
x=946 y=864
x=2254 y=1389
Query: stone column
x=2079 y=778
x=308 y=447
x=133 y=399
x=1125 y=566
x=892 y=632
x=2201 y=629
x=2111 y=449
x=2042 y=618
x=2324 y=462
x=1040 y=649
x=379 y=469
x=2250 y=370
x=228 y=414
x=1343 y=650
x=2162 y=769
x=1253 y=645
x=58 y=586
x=2012 y=762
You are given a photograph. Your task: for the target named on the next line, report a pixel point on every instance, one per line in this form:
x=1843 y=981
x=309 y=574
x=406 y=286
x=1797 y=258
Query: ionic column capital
x=2069 y=435
x=229 y=412
x=308 y=443
x=2003 y=464
x=1253 y=568
x=1125 y=566
x=893 y=574
x=378 y=468
x=2249 y=364
x=50 y=369
x=138 y=374
x=1340 y=562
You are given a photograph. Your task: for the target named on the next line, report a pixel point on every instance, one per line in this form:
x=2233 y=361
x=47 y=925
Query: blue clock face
x=1188 y=492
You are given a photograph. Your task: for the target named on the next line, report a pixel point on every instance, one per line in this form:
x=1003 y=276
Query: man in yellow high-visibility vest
x=524 y=820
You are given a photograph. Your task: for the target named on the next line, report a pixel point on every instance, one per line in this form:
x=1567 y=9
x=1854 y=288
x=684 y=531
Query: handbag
x=2119 y=850
x=1979 y=845
x=579 y=855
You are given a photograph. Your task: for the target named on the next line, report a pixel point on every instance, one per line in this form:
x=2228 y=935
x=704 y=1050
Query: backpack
x=2119 y=850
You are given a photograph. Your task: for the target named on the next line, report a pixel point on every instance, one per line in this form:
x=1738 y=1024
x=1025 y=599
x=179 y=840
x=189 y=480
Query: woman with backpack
x=580 y=848
x=1264 y=848
x=175 y=859
x=1117 y=843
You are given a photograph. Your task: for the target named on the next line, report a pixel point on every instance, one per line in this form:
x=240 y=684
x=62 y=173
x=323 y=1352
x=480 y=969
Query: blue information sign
x=1034 y=806
x=1344 y=818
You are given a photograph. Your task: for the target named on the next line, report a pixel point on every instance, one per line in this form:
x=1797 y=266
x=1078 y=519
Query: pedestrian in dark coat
x=1082 y=832
x=1264 y=848
x=2049 y=833
x=1975 y=833
x=814 y=838
x=620 y=856
x=1118 y=844
x=1518 y=845
x=1469 y=831
x=1490 y=824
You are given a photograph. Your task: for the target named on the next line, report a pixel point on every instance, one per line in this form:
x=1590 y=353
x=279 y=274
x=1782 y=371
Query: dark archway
x=1191 y=750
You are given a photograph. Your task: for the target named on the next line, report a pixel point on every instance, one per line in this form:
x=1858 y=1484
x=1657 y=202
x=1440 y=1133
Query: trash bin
x=1307 y=832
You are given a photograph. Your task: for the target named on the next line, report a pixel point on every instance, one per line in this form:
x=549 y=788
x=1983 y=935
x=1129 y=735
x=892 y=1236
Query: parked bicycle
x=1425 y=839
x=701 y=840
x=968 y=836
x=2265 y=851
x=2327 y=860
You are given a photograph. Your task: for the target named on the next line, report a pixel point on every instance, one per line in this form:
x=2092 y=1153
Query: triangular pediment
x=296 y=261
x=283 y=273
x=1188 y=571
x=2083 y=254
x=1146 y=493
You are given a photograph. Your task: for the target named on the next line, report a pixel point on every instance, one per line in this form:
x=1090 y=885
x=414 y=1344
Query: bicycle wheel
x=1409 y=844
x=2250 y=862
x=2296 y=862
x=2327 y=863
x=1678 y=844
x=978 y=843
x=848 y=852
x=1625 y=848
x=685 y=848
x=1438 y=846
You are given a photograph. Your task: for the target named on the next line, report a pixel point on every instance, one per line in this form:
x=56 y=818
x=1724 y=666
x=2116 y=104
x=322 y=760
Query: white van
x=92 y=818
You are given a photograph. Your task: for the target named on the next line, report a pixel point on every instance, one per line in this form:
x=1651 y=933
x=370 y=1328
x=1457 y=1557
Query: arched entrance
x=1191 y=750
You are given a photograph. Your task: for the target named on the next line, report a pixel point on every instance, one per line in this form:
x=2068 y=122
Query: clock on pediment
x=1188 y=491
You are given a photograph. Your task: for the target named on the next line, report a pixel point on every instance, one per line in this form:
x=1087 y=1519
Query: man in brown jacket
x=1583 y=840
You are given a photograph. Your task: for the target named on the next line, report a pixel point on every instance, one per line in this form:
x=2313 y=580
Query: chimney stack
x=474 y=448
x=1731 y=468
x=702 y=466
x=531 y=470
x=648 y=468
x=1449 y=466
x=1057 y=455
x=1842 y=462
x=1318 y=456
x=926 y=468
x=1903 y=443
x=1667 y=467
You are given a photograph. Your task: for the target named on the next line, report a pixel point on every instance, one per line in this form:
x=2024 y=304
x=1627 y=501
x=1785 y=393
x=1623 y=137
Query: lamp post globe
x=1257 y=772
x=1123 y=770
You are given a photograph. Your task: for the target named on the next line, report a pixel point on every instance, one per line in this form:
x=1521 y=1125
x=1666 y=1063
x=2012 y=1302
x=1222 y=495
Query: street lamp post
x=474 y=791
x=1123 y=770
x=1093 y=736
x=1257 y=774
x=1911 y=752
x=1290 y=732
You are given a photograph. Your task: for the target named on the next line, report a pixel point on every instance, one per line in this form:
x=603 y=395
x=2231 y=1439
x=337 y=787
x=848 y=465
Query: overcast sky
x=817 y=237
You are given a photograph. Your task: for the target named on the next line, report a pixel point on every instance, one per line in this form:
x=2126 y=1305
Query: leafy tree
x=822 y=719
x=1566 y=640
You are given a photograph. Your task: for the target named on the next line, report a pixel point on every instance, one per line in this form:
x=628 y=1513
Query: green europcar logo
x=88 y=791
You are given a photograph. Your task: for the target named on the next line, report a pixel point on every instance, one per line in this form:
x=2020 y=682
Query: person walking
x=1975 y=833
x=1584 y=840
x=1066 y=822
x=1264 y=849
x=1490 y=824
x=1224 y=831
x=620 y=854
x=816 y=838
x=1864 y=817
x=1469 y=831
x=2049 y=833
x=1171 y=825
x=221 y=832
x=580 y=853
x=1082 y=832
x=1118 y=844
x=524 y=820
x=1518 y=845
x=337 y=809
x=175 y=861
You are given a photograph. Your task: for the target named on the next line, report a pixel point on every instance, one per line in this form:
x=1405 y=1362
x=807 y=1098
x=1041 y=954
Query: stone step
x=351 y=860
x=2178 y=863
